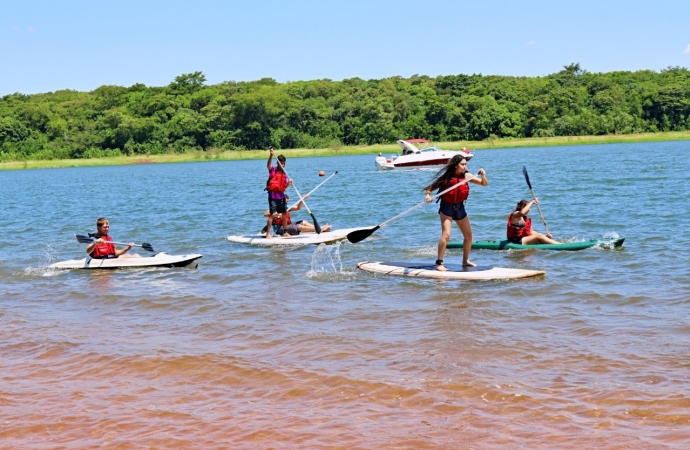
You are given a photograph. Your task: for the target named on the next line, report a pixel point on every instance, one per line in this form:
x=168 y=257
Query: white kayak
x=454 y=272
x=326 y=237
x=159 y=260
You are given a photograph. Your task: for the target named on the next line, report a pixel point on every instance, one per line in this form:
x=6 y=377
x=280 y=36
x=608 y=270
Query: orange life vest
x=279 y=220
x=277 y=181
x=516 y=232
x=103 y=250
x=457 y=195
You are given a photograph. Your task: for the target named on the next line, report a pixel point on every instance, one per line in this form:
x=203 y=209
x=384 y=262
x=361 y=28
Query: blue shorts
x=277 y=205
x=455 y=211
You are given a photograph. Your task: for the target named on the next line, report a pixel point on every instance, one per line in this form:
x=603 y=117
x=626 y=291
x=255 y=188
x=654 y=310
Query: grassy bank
x=219 y=155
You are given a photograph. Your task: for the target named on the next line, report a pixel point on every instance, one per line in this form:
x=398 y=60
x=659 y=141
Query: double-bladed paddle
x=360 y=235
x=317 y=227
x=89 y=240
x=524 y=171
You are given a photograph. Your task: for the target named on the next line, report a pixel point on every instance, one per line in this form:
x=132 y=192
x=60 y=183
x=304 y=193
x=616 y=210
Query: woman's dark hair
x=521 y=204
x=444 y=175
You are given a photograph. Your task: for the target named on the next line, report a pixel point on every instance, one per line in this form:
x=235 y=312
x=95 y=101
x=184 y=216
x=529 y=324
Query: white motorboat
x=416 y=158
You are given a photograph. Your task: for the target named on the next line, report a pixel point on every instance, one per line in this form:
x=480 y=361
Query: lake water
x=297 y=348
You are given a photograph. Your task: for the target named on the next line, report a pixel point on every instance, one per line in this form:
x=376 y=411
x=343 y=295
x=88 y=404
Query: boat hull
x=424 y=159
x=160 y=260
x=565 y=246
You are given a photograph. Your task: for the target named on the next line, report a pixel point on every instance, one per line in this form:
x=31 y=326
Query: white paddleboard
x=454 y=272
x=159 y=260
x=326 y=237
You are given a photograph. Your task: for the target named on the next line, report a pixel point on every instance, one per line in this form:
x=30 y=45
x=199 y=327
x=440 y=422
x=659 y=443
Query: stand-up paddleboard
x=326 y=237
x=567 y=246
x=455 y=271
x=159 y=260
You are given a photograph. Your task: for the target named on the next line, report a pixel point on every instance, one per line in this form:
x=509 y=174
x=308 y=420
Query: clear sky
x=68 y=44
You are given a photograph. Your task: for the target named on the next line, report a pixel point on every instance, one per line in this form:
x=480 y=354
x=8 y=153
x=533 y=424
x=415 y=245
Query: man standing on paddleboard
x=276 y=185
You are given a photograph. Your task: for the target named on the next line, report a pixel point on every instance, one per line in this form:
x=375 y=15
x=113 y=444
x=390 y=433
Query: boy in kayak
x=519 y=229
x=292 y=229
x=276 y=185
x=102 y=247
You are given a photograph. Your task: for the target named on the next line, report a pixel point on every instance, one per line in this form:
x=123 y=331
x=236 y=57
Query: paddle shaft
x=90 y=240
x=360 y=235
x=539 y=210
x=467 y=180
x=320 y=184
x=534 y=197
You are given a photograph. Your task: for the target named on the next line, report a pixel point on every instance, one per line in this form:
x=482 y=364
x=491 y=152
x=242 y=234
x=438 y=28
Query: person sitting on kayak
x=292 y=229
x=276 y=185
x=520 y=226
x=102 y=247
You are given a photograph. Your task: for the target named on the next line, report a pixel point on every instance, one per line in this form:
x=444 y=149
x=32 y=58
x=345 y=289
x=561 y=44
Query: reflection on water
x=296 y=348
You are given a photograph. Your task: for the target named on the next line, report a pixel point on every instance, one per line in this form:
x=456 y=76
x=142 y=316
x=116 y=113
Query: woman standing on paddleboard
x=453 y=205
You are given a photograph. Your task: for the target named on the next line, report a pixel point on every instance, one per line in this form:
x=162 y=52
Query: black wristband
x=439 y=262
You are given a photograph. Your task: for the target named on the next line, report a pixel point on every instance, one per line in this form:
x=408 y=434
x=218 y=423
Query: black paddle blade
x=84 y=239
x=317 y=227
x=360 y=235
x=524 y=171
x=146 y=246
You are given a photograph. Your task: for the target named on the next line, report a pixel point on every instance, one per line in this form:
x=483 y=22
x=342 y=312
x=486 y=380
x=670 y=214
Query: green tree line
x=189 y=115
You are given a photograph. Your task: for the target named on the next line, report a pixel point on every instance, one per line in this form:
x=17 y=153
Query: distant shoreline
x=236 y=155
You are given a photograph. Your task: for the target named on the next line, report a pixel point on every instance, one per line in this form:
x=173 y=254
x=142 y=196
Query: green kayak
x=569 y=246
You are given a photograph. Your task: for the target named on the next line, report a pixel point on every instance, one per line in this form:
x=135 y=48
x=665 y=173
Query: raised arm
x=297 y=206
x=483 y=181
x=270 y=158
x=517 y=215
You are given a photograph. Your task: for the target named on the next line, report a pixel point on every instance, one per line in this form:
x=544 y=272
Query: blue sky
x=81 y=45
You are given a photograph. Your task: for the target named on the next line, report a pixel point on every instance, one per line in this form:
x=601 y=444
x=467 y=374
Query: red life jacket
x=104 y=249
x=277 y=181
x=279 y=220
x=516 y=232
x=457 y=195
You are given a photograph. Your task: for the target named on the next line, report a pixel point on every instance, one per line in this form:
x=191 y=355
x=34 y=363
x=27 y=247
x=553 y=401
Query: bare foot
x=268 y=236
x=326 y=228
x=441 y=268
x=469 y=263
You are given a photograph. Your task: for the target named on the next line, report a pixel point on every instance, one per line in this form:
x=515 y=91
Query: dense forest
x=190 y=115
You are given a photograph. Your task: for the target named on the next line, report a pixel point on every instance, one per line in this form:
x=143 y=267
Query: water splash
x=326 y=259
x=326 y=264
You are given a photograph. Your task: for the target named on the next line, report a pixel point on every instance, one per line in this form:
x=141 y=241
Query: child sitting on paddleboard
x=519 y=229
x=292 y=229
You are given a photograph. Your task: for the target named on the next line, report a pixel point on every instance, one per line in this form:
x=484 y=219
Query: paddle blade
x=524 y=171
x=146 y=246
x=317 y=227
x=84 y=239
x=360 y=235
